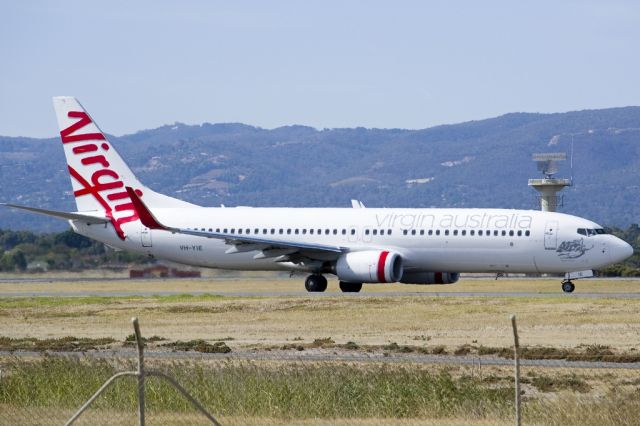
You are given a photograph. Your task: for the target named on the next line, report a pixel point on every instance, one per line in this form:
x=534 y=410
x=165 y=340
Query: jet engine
x=369 y=267
x=428 y=278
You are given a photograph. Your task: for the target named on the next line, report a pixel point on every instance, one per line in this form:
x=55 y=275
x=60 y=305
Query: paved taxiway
x=492 y=294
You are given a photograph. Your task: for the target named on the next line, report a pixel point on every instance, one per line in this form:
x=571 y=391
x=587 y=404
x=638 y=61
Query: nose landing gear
x=568 y=286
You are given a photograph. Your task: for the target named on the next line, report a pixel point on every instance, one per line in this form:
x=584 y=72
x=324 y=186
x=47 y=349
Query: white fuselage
x=444 y=240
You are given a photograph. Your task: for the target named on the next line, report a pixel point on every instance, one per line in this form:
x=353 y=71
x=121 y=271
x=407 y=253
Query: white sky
x=407 y=64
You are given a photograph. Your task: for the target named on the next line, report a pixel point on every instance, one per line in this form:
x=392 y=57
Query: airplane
x=359 y=245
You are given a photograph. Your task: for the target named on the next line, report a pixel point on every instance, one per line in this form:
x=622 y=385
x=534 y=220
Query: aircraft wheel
x=315 y=283
x=568 y=287
x=350 y=287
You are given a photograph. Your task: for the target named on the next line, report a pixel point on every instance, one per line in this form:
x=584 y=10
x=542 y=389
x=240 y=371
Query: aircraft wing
x=281 y=251
x=62 y=215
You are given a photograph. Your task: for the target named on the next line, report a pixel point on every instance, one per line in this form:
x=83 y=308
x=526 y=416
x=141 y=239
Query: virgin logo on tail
x=103 y=179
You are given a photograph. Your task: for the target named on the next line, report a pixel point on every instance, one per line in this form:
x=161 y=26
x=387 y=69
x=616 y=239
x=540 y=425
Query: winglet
x=146 y=217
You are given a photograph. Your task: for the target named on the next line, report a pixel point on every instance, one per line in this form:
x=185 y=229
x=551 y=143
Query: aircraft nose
x=620 y=250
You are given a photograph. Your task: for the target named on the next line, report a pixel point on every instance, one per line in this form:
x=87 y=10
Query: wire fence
x=326 y=383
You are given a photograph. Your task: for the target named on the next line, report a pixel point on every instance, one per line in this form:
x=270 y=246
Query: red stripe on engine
x=381 y=264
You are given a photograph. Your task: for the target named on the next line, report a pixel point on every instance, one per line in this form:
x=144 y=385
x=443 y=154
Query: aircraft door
x=145 y=237
x=551 y=236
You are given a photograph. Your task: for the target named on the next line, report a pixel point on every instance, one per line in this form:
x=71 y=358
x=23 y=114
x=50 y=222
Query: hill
x=482 y=163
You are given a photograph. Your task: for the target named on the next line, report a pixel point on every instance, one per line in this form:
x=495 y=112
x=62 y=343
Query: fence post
x=516 y=359
x=140 y=372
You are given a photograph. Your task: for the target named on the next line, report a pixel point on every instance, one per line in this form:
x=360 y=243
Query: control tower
x=548 y=187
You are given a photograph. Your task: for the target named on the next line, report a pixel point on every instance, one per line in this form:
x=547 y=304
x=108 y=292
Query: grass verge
x=251 y=390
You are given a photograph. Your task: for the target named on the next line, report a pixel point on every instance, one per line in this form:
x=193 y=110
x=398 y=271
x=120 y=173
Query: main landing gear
x=568 y=286
x=315 y=283
x=350 y=287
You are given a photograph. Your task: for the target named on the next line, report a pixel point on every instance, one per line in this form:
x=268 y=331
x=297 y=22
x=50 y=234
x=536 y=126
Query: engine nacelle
x=428 y=278
x=369 y=267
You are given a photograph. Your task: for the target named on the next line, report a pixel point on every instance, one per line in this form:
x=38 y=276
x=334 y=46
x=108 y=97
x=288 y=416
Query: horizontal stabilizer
x=62 y=215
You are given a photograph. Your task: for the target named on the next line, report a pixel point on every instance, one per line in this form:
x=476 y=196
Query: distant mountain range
x=482 y=163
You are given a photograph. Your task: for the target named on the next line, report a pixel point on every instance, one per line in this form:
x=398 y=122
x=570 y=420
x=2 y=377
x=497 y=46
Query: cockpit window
x=590 y=232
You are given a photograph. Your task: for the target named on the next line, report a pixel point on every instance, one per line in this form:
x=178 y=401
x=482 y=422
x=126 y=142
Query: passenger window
x=495 y=233
x=247 y=231
x=375 y=232
x=366 y=232
x=311 y=231
x=446 y=232
x=280 y=231
x=353 y=232
x=388 y=231
x=455 y=232
x=256 y=231
x=218 y=230
x=288 y=231
x=511 y=233
x=335 y=232
x=413 y=232
x=264 y=231
x=224 y=230
x=326 y=232
x=464 y=232
x=296 y=231
x=233 y=230
x=437 y=232
x=405 y=232
x=519 y=233
x=527 y=233
x=479 y=233
x=273 y=231
x=344 y=232
x=239 y=230
x=382 y=232
x=472 y=232
x=504 y=233
x=430 y=232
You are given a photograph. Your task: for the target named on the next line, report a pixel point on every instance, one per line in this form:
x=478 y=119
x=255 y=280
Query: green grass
x=288 y=391
x=248 y=389
x=53 y=301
